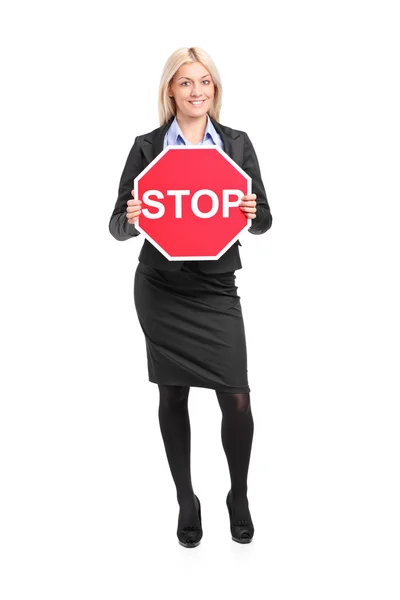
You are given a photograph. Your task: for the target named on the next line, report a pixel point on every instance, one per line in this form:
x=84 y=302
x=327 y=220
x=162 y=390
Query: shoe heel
x=199 y=510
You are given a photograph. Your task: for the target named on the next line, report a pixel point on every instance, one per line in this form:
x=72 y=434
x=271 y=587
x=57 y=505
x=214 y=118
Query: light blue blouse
x=174 y=136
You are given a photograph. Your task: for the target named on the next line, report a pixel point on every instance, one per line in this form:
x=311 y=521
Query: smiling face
x=193 y=89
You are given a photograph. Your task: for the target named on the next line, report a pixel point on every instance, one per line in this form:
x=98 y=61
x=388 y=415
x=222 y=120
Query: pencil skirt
x=193 y=327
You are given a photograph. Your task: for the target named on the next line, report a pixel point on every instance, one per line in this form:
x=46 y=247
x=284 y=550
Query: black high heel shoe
x=243 y=530
x=191 y=535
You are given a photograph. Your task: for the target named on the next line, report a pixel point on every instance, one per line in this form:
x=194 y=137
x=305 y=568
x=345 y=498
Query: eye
x=206 y=81
x=184 y=82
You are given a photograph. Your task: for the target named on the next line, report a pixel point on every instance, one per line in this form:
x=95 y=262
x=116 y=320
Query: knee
x=173 y=395
x=234 y=403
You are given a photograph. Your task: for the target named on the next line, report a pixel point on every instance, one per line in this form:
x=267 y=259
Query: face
x=193 y=89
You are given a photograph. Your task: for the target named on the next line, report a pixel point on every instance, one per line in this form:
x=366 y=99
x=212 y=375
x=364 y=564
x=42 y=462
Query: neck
x=192 y=127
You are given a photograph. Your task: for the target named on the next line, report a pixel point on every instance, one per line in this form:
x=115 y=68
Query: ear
x=170 y=94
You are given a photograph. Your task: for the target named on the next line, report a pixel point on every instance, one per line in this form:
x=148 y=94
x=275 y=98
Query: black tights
x=236 y=433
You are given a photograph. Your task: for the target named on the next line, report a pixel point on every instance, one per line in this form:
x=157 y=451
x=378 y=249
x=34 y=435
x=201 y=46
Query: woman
x=189 y=311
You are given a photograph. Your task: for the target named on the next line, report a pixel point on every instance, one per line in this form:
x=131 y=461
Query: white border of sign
x=183 y=147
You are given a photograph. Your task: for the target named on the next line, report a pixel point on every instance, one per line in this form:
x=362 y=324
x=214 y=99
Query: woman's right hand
x=133 y=209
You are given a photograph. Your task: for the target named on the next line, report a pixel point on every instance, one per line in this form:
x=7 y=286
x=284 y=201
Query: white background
x=88 y=505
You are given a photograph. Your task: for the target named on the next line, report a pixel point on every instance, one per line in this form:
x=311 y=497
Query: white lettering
x=226 y=204
x=195 y=204
x=178 y=200
x=159 y=205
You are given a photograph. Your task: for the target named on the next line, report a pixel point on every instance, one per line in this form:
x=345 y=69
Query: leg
x=175 y=429
x=237 y=429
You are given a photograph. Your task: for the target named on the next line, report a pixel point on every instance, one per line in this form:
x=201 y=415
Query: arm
x=263 y=220
x=118 y=225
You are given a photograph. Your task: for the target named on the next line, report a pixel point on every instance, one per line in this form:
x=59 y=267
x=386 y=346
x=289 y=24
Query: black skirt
x=193 y=327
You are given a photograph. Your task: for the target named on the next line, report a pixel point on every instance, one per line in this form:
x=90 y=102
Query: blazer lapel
x=232 y=144
x=153 y=142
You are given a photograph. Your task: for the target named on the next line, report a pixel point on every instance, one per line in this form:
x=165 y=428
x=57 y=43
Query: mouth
x=197 y=103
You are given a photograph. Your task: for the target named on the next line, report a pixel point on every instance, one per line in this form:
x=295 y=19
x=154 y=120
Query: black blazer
x=145 y=149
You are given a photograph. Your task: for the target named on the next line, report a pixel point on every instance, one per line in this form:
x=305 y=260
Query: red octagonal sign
x=190 y=202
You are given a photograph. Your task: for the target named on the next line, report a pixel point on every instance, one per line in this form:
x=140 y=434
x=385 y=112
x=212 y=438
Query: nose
x=195 y=91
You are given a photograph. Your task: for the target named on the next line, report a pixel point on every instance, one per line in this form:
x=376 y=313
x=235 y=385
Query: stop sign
x=190 y=202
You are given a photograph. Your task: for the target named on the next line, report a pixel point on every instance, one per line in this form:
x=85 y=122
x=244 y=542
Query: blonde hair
x=166 y=105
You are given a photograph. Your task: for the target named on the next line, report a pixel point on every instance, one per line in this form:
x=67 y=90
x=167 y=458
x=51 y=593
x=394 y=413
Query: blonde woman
x=189 y=311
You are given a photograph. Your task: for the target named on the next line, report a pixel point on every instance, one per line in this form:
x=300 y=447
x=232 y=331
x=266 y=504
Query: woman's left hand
x=248 y=206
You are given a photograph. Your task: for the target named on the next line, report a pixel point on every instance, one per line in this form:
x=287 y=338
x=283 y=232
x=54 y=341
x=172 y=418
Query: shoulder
x=231 y=131
x=154 y=133
x=235 y=134
x=149 y=134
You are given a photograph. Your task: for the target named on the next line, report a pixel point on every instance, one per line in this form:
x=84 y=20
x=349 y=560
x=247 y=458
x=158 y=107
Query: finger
x=134 y=213
x=133 y=210
x=133 y=192
x=132 y=217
